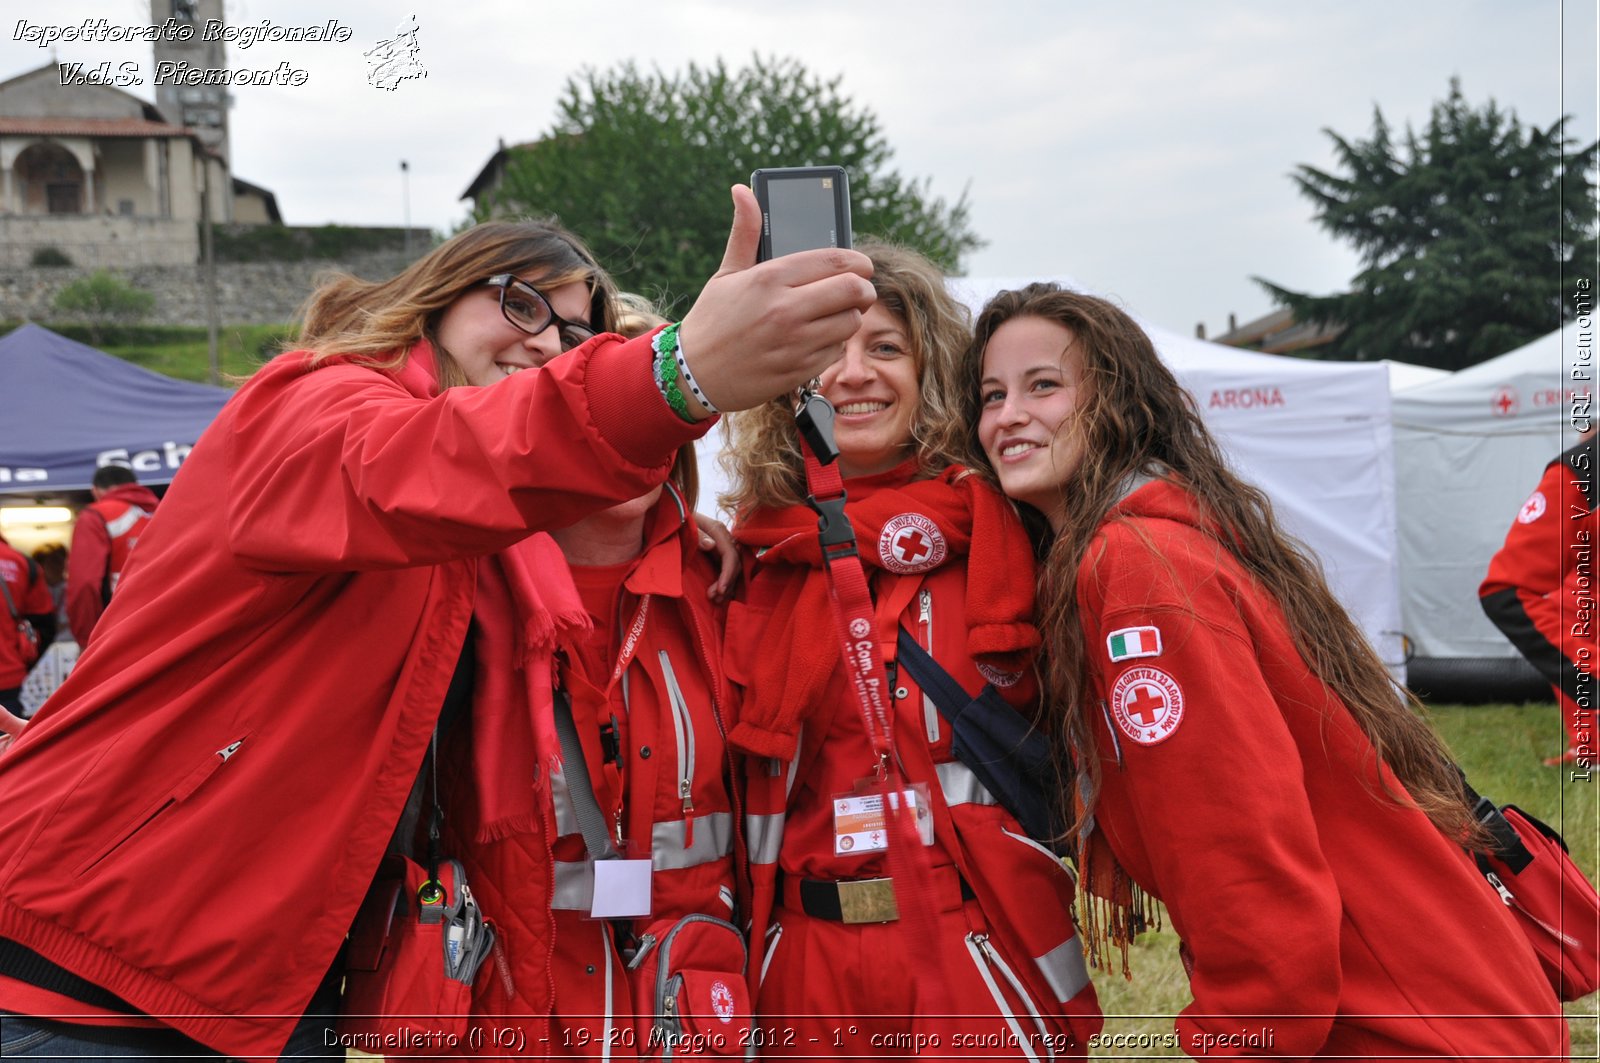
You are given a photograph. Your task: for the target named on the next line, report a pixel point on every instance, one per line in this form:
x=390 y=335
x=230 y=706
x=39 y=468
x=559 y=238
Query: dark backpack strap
x=949 y=697
x=1506 y=844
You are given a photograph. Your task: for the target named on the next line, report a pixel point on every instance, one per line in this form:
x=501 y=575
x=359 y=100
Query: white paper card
x=621 y=888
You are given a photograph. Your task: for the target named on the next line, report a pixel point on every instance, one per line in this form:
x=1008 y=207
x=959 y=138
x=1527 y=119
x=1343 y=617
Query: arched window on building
x=51 y=181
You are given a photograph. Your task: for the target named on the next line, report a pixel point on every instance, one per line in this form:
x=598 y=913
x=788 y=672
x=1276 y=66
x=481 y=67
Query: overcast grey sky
x=1143 y=147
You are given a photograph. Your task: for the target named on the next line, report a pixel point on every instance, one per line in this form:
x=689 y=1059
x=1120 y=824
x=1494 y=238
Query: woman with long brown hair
x=1241 y=753
x=189 y=825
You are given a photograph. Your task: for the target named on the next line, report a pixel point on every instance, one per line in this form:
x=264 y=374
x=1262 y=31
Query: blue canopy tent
x=66 y=409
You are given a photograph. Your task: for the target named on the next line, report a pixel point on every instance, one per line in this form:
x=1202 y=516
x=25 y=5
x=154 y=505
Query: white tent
x=1314 y=435
x=1468 y=451
x=1404 y=376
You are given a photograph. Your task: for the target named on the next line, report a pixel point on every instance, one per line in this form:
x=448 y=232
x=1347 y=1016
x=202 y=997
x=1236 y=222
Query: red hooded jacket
x=1323 y=917
x=102 y=542
x=192 y=820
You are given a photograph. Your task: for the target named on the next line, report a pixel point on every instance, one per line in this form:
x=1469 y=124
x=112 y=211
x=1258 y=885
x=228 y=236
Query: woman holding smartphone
x=949 y=564
x=189 y=825
x=1242 y=754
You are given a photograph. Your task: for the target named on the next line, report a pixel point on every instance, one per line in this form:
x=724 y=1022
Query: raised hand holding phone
x=763 y=329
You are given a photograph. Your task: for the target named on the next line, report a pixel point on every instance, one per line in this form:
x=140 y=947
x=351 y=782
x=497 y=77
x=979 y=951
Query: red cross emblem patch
x=1532 y=509
x=911 y=543
x=722 y=1003
x=1147 y=704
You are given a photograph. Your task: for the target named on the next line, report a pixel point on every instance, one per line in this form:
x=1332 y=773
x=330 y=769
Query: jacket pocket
x=155 y=810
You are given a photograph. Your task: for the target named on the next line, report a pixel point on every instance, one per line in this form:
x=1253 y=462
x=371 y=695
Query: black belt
x=869 y=900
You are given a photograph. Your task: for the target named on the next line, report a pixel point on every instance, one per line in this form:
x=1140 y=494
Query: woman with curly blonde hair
x=1242 y=754
x=949 y=566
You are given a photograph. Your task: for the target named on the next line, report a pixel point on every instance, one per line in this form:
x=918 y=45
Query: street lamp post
x=405 y=202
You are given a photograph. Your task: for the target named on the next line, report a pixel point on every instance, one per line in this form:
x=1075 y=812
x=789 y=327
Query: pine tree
x=639 y=165
x=1472 y=234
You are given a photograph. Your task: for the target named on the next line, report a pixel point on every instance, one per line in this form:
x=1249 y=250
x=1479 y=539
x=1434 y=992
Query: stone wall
x=248 y=293
x=103 y=240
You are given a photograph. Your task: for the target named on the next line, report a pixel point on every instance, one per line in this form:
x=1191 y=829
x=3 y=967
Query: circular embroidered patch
x=1147 y=704
x=722 y=1001
x=1532 y=509
x=911 y=543
x=994 y=675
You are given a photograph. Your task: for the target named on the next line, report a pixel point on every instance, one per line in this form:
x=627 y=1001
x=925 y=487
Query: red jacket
x=1241 y=792
x=31 y=596
x=192 y=820
x=106 y=532
x=664 y=742
x=1540 y=586
x=1024 y=891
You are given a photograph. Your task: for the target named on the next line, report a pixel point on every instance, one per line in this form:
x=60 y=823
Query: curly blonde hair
x=379 y=321
x=763 y=458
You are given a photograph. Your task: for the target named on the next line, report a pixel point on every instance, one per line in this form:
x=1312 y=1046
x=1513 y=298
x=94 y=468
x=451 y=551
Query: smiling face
x=1030 y=390
x=489 y=348
x=875 y=390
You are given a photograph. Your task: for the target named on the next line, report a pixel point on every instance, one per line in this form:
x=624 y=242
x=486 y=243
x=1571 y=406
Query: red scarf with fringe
x=801 y=652
x=526 y=605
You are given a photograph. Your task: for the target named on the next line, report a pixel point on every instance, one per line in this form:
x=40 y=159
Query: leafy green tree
x=640 y=164
x=1473 y=235
x=103 y=298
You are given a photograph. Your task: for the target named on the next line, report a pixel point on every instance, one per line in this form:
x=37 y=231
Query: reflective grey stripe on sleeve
x=1063 y=968
x=574 y=890
x=961 y=786
x=561 y=797
x=764 y=836
x=713 y=840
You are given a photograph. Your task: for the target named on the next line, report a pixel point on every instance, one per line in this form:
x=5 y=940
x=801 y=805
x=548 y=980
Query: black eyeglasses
x=526 y=307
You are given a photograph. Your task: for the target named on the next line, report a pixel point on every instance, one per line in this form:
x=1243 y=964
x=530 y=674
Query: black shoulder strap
x=948 y=695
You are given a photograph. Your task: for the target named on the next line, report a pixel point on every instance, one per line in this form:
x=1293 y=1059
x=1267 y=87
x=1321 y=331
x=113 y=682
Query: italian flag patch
x=1132 y=642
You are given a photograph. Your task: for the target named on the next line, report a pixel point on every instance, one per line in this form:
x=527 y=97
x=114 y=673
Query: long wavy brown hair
x=378 y=321
x=1133 y=417
x=763 y=458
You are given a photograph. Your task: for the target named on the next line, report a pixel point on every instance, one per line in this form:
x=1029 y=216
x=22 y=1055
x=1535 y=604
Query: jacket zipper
x=988 y=962
x=683 y=730
x=930 y=711
x=181 y=792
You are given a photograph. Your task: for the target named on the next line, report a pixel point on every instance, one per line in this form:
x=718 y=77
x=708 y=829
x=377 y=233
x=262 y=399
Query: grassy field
x=1500 y=748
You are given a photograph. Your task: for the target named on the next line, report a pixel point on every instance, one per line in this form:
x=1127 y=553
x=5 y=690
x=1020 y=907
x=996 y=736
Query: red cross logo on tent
x=911 y=543
x=1505 y=401
x=1147 y=704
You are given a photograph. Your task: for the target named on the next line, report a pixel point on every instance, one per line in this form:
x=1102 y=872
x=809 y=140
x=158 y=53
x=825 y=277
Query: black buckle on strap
x=838 y=538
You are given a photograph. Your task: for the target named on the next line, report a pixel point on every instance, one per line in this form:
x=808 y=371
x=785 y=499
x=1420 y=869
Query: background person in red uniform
x=102 y=540
x=31 y=597
x=1540 y=590
x=948 y=561
x=635 y=640
x=189 y=825
x=1241 y=750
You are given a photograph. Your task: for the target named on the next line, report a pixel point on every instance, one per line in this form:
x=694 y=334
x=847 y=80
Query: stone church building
x=109 y=179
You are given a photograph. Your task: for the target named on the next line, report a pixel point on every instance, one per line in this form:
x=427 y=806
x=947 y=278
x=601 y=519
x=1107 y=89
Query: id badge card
x=859 y=824
x=621 y=889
